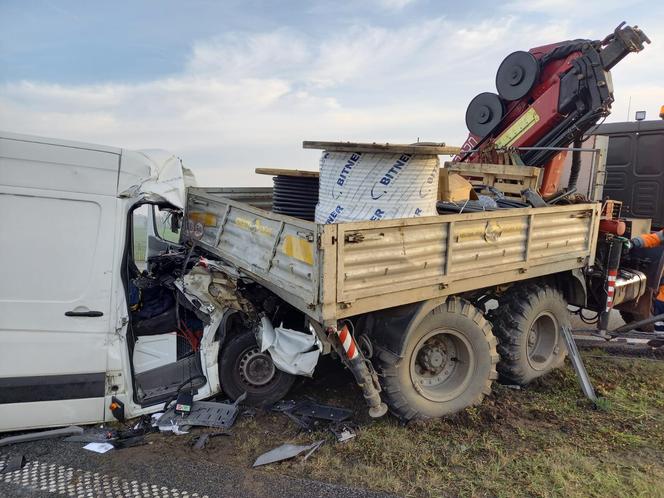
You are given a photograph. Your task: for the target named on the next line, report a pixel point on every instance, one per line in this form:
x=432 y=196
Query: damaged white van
x=94 y=310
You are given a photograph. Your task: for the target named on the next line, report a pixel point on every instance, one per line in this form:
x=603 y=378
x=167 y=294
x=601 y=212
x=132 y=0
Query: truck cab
x=82 y=323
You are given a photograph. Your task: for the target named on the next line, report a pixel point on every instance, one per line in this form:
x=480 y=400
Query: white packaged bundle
x=364 y=186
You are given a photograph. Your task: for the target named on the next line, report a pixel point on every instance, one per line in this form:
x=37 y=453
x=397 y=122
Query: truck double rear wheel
x=449 y=362
x=528 y=324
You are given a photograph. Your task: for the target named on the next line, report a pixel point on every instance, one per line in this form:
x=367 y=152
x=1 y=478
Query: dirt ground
x=544 y=440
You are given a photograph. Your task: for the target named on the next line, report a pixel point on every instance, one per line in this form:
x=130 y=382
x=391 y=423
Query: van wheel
x=448 y=364
x=528 y=322
x=244 y=368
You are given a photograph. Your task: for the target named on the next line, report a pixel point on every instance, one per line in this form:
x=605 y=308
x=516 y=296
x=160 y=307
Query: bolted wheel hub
x=441 y=365
x=256 y=368
x=542 y=341
x=433 y=359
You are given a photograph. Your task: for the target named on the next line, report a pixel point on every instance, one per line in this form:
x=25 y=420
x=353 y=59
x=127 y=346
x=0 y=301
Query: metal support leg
x=579 y=368
x=359 y=366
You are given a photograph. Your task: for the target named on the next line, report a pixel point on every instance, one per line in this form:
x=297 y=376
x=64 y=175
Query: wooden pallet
x=287 y=172
x=507 y=178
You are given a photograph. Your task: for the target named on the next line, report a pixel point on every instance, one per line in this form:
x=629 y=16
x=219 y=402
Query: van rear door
x=57 y=246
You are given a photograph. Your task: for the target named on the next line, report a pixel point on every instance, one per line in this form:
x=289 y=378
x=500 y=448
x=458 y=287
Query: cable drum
x=295 y=196
x=367 y=186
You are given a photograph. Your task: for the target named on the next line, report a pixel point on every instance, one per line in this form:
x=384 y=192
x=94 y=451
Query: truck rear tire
x=448 y=363
x=527 y=323
x=244 y=368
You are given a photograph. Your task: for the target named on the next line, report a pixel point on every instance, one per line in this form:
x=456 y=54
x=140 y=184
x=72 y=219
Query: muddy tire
x=448 y=363
x=243 y=368
x=528 y=324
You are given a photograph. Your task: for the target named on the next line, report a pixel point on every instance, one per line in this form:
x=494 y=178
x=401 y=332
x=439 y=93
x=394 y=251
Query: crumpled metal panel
x=276 y=248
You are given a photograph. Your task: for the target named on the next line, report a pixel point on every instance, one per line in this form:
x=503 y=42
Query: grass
x=545 y=440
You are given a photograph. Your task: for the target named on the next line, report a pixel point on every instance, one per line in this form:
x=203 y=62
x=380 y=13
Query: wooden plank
x=287 y=172
x=497 y=169
x=426 y=148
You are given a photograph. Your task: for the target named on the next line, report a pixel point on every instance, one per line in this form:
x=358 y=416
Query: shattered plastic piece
x=343 y=433
x=286 y=452
x=325 y=412
x=37 y=436
x=205 y=413
x=129 y=442
x=284 y=405
x=306 y=423
x=174 y=429
x=291 y=351
x=98 y=447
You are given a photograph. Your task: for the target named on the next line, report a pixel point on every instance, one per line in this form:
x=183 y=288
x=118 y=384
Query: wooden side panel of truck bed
x=334 y=271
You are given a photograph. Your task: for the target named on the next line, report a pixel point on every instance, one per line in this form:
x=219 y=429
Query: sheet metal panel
x=384 y=258
x=279 y=250
x=380 y=261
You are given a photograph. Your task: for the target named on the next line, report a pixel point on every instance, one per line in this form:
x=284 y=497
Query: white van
x=79 y=223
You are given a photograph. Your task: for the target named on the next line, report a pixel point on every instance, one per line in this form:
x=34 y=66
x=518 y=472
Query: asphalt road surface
x=58 y=468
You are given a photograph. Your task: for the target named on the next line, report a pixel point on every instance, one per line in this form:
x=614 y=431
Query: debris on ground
x=203 y=413
x=99 y=447
x=306 y=414
x=15 y=462
x=202 y=440
x=94 y=435
x=37 y=436
x=343 y=432
x=286 y=452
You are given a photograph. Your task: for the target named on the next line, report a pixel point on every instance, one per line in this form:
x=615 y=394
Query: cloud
x=393 y=4
x=244 y=99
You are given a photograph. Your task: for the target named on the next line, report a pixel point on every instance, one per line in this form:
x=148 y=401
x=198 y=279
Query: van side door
x=56 y=282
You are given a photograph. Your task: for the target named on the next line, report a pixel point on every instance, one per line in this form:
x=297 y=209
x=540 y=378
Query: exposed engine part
x=215 y=286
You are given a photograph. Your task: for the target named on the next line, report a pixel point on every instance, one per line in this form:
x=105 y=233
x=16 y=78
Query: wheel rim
x=542 y=341
x=256 y=369
x=441 y=365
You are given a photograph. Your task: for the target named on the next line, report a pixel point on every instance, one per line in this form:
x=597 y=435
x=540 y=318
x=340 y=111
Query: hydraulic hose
x=576 y=164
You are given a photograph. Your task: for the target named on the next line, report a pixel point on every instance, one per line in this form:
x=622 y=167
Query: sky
x=233 y=85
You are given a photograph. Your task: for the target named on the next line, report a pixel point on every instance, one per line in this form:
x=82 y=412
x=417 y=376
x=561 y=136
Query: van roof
x=59 y=141
x=33 y=162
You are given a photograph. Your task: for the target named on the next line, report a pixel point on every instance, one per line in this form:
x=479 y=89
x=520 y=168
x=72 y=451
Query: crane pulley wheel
x=484 y=113
x=517 y=75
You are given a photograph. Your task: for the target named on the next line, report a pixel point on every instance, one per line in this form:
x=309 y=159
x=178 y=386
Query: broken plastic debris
x=98 y=447
x=286 y=452
x=174 y=428
x=343 y=433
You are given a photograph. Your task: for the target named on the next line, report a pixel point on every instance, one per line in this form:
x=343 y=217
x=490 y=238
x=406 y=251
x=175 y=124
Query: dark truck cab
x=635 y=168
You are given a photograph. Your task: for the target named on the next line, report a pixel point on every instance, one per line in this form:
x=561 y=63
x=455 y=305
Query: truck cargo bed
x=335 y=271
